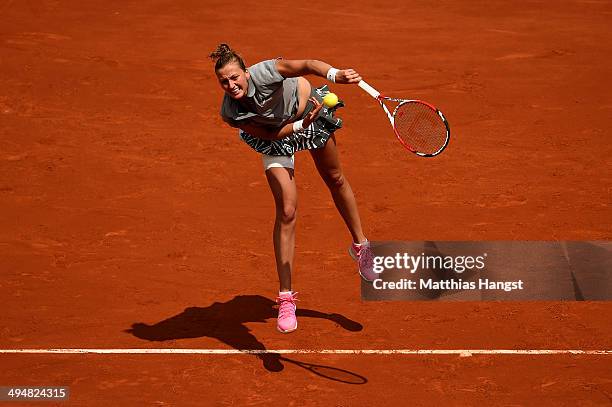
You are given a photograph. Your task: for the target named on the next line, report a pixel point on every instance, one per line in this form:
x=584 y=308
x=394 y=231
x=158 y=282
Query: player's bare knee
x=287 y=214
x=335 y=181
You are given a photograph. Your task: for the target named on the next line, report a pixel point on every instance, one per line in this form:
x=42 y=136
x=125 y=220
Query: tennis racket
x=419 y=126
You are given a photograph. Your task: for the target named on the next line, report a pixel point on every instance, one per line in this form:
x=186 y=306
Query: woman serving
x=278 y=113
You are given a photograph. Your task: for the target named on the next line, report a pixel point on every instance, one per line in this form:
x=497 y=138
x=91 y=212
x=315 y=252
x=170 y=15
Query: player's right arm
x=290 y=68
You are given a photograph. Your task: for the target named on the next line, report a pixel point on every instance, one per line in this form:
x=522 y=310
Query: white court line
x=459 y=352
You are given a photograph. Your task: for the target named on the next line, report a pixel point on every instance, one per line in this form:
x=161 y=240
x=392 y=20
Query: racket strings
x=420 y=127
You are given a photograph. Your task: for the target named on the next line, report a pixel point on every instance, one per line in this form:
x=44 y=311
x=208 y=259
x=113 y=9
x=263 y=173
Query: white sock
x=284 y=292
x=361 y=244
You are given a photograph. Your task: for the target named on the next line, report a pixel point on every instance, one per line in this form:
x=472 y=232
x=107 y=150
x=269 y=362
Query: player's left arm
x=267 y=133
x=290 y=68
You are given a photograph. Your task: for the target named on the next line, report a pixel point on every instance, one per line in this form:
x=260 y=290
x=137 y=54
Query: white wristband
x=298 y=126
x=331 y=74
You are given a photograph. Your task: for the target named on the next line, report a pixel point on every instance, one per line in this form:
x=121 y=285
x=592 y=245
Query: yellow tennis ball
x=330 y=100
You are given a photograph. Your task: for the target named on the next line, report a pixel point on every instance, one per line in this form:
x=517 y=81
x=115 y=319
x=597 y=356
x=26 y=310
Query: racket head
x=421 y=128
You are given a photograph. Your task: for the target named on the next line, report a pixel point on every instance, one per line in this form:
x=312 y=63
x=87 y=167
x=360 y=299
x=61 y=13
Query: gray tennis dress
x=272 y=100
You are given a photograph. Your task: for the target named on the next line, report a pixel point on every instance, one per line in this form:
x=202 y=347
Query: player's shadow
x=225 y=321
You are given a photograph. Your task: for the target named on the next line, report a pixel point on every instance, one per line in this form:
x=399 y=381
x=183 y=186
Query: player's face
x=233 y=80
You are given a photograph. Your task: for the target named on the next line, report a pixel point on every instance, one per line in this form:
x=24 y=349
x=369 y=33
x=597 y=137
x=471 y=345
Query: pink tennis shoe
x=287 y=322
x=362 y=253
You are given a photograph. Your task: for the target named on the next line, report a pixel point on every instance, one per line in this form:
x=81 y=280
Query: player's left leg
x=328 y=164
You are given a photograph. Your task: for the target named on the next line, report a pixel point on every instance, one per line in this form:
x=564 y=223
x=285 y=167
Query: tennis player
x=278 y=113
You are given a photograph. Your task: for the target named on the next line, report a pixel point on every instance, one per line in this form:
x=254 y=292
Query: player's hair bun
x=221 y=51
x=223 y=55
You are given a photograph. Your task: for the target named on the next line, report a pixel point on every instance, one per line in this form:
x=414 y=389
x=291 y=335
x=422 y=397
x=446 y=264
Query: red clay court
x=132 y=217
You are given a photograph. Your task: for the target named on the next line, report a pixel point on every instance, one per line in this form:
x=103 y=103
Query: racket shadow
x=329 y=372
x=226 y=322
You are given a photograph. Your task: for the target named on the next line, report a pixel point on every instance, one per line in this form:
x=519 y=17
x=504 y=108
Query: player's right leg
x=281 y=179
x=282 y=185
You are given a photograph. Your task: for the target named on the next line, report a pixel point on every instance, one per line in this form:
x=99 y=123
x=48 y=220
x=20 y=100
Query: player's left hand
x=314 y=113
x=347 y=76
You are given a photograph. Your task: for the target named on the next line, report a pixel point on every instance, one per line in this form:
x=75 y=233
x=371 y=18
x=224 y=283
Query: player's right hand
x=347 y=76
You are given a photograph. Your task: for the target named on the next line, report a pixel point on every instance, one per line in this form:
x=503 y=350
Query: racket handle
x=371 y=91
